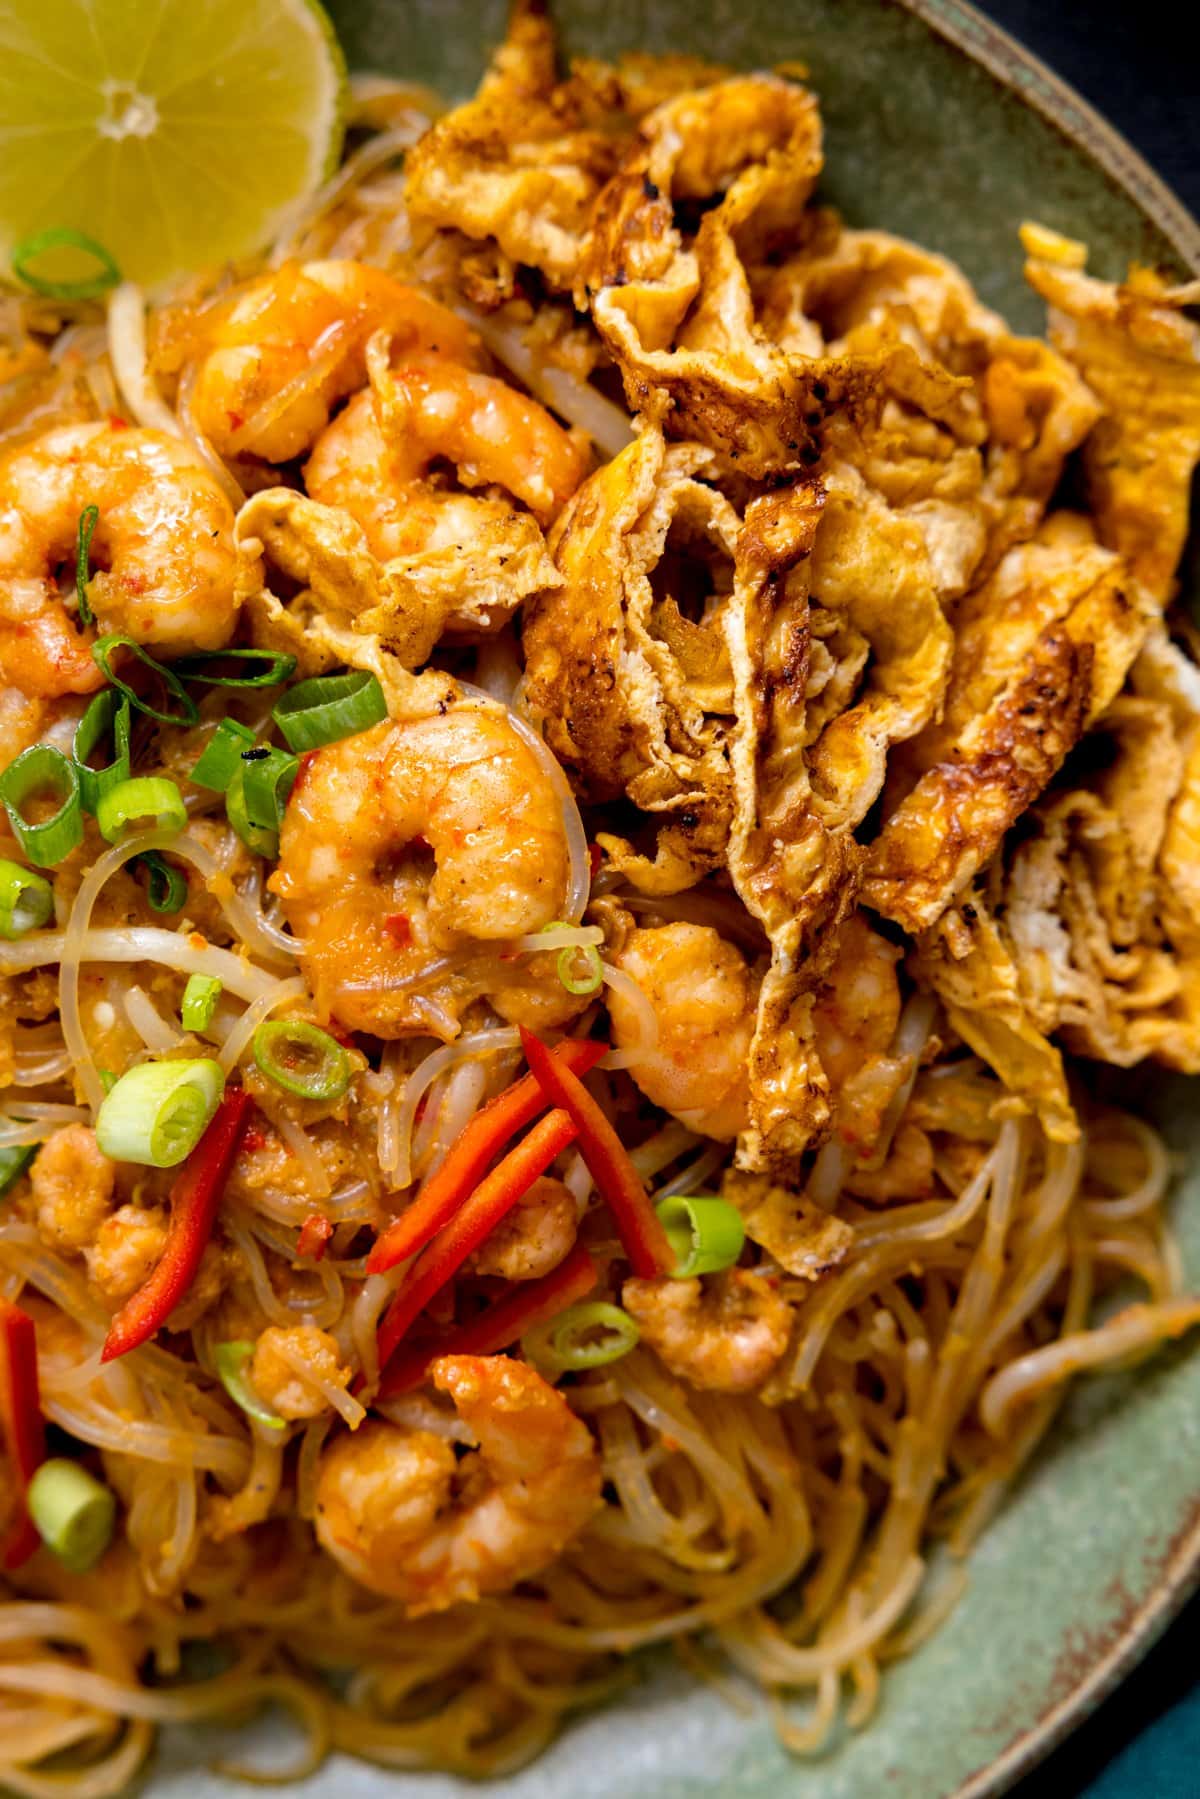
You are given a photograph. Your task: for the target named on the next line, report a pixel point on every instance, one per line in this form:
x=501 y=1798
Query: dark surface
x=1132 y=62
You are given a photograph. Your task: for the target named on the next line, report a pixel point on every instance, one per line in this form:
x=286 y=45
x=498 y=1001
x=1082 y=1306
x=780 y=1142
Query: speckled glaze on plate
x=943 y=129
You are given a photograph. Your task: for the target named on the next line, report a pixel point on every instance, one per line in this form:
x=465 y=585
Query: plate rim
x=1038 y=86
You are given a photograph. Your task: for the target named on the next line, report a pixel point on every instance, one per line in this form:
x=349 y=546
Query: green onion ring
x=261 y=840
x=256 y=796
x=152 y=802
x=59 y=237
x=167 y=888
x=230 y=1359
x=594 y=978
x=301 y=1058
x=102 y=651
x=279 y=666
x=200 y=998
x=108 y=710
x=267 y=781
x=158 y=1112
x=329 y=707
x=706 y=1233
x=34 y=770
x=73 y=1512
x=221 y=757
x=26 y=900
x=13 y=1163
x=89 y=518
x=561 y=1345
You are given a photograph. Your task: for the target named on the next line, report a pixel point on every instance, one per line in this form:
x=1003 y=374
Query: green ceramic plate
x=941 y=128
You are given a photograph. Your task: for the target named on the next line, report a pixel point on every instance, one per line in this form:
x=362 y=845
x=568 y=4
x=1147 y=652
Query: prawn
x=534 y=1237
x=407 y=849
x=372 y=459
x=703 y=995
x=405 y=1517
x=724 y=1333
x=162 y=545
x=293 y=343
x=72 y=1181
x=293 y=1368
x=854 y=1024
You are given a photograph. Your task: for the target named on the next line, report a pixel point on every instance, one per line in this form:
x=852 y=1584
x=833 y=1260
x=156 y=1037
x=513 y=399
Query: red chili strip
x=475 y=1219
x=527 y=1304
x=620 y=1185
x=482 y=1140
x=314 y=1236
x=195 y=1199
x=21 y=1424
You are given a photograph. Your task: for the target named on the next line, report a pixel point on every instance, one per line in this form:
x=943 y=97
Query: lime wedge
x=174 y=133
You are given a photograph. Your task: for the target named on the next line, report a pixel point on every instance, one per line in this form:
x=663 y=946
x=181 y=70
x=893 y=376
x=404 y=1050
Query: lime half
x=174 y=133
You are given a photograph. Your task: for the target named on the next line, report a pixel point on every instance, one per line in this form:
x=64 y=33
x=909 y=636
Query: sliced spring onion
x=167 y=888
x=64 y=237
x=89 y=518
x=262 y=840
x=706 y=1234
x=13 y=1163
x=73 y=1512
x=231 y=1359
x=108 y=1079
x=584 y=1336
x=257 y=795
x=267 y=781
x=569 y=974
x=41 y=769
x=26 y=900
x=108 y=711
x=329 y=707
x=158 y=1112
x=279 y=665
x=301 y=1058
x=200 y=998
x=221 y=757
x=148 y=802
x=102 y=653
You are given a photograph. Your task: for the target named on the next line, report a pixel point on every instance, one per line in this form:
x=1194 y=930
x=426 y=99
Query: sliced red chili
x=195 y=1200
x=480 y=1142
x=620 y=1185
x=530 y=1303
x=475 y=1219
x=22 y=1427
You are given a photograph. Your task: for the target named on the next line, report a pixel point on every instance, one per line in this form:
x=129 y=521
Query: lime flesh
x=176 y=133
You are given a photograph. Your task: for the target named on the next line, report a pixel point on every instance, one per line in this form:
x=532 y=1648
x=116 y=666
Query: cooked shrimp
x=354 y=467
x=404 y=850
x=162 y=546
x=538 y=1232
x=373 y=456
x=725 y=1332
x=72 y=1182
x=289 y=1362
x=126 y=1249
x=293 y=344
x=854 y=1023
x=857 y=1012
x=703 y=995
x=402 y=1515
